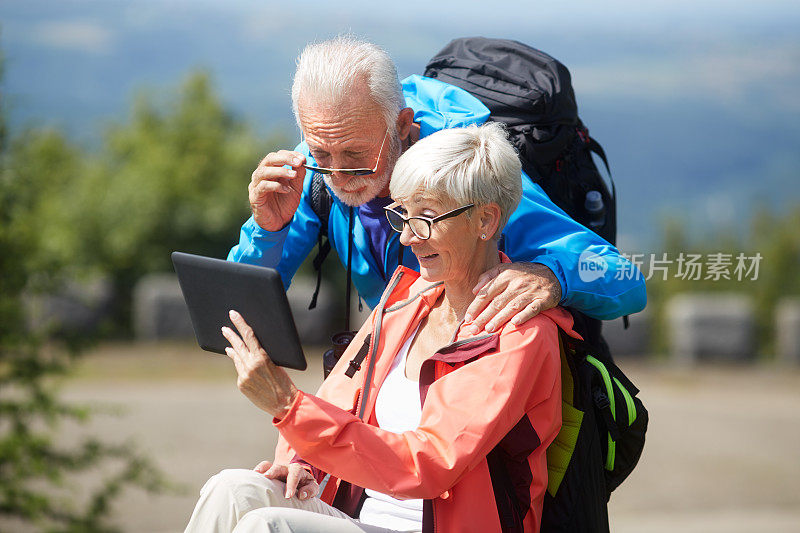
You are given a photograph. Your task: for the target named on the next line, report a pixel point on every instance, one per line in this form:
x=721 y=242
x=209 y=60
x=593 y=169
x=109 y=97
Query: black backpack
x=531 y=93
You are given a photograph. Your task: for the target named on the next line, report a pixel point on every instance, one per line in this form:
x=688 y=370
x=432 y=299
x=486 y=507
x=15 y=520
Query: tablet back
x=212 y=287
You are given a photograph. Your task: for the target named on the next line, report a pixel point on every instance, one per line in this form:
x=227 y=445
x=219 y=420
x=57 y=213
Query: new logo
x=591 y=266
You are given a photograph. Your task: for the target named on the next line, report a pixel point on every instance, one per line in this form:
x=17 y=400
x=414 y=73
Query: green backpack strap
x=613 y=433
x=606 y=404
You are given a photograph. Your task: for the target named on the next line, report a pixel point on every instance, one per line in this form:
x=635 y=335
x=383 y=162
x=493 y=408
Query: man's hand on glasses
x=275 y=190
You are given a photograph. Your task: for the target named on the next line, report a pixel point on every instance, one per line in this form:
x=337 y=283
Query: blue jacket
x=594 y=278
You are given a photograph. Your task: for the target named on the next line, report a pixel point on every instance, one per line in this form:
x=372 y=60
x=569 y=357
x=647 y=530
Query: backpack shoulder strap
x=321 y=202
x=595 y=147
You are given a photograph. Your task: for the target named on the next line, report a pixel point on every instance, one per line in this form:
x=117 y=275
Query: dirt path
x=722 y=452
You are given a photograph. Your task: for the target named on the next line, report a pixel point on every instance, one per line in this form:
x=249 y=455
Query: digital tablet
x=212 y=287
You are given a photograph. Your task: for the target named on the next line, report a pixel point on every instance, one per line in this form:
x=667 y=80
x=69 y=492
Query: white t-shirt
x=397 y=409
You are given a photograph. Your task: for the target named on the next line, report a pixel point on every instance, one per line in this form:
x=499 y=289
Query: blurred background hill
x=696 y=103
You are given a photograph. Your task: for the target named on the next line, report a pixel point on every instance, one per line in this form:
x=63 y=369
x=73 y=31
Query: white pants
x=245 y=501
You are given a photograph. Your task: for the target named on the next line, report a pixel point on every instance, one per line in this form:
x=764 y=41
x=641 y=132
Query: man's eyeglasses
x=420 y=226
x=352 y=171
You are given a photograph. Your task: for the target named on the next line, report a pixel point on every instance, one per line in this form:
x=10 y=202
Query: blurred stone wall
x=699 y=326
x=160 y=311
x=715 y=326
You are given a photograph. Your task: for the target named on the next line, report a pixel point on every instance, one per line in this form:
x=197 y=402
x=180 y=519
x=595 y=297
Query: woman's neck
x=458 y=294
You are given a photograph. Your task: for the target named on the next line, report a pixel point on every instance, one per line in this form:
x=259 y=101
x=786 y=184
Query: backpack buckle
x=604 y=406
x=601 y=400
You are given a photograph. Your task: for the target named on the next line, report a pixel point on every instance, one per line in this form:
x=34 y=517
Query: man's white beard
x=375 y=184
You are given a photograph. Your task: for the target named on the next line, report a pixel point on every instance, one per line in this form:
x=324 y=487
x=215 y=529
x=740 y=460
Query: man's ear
x=489 y=219
x=404 y=121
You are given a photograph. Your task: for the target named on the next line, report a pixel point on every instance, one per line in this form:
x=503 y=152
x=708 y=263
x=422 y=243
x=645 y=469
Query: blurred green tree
x=773 y=235
x=174 y=177
x=37 y=470
x=776 y=236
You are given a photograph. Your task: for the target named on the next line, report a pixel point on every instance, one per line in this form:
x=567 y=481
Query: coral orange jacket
x=491 y=404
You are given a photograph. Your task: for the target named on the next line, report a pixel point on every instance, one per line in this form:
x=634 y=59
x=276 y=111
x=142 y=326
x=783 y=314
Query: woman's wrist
x=287 y=405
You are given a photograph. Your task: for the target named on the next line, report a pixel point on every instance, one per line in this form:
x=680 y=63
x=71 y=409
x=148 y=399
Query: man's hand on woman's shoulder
x=513 y=292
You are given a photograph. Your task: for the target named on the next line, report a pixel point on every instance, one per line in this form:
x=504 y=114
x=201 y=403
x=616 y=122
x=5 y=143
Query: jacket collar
x=413 y=286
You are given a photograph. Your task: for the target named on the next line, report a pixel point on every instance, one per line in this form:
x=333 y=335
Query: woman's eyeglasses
x=420 y=226
x=352 y=171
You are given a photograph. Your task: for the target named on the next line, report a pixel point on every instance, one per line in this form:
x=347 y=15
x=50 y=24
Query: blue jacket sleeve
x=438 y=106
x=594 y=277
x=282 y=250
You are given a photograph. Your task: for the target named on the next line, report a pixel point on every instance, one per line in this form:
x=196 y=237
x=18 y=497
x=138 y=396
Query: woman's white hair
x=475 y=164
x=328 y=71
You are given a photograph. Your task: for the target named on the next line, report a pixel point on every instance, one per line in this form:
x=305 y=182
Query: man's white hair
x=475 y=164
x=329 y=70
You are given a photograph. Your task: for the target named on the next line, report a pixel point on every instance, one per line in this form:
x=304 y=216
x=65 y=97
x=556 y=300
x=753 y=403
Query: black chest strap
x=355 y=363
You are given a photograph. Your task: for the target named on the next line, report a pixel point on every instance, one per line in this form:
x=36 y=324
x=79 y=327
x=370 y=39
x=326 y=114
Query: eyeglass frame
x=351 y=171
x=429 y=221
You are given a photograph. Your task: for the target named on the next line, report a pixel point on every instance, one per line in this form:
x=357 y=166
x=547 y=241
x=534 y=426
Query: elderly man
x=356 y=120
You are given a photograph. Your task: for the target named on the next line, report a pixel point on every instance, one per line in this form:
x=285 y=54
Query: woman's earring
x=483 y=236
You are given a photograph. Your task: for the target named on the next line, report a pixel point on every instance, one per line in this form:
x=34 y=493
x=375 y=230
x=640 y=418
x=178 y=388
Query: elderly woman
x=425 y=424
